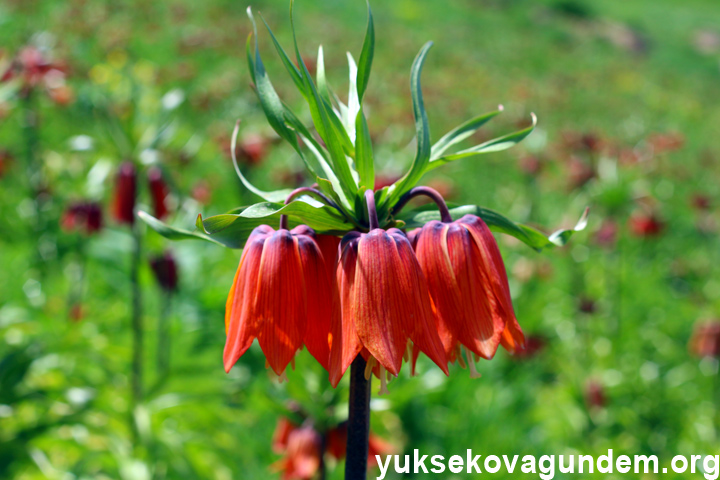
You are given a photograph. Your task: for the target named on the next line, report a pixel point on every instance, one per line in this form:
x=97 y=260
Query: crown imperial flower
x=468 y=285
x=385 y=304
x=275 y=298
x=125 y=193
x=158 y=192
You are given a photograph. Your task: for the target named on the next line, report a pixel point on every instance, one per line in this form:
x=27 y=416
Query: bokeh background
x=627 y=98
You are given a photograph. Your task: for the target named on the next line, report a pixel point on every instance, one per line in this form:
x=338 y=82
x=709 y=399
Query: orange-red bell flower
x=279 y=296
x=303 y=455
x=384 y=302
x=468 y=286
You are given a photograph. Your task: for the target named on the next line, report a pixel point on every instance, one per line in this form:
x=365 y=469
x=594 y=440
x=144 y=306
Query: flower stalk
x=358 y=422
x=373 y=222
x=433 y=194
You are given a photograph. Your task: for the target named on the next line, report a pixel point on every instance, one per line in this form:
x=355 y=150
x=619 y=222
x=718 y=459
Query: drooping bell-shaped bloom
x=282 y=297
x=125 y=193
x=166 y=271
x=705 y=339
x=283 y=429
x=83 y=216
x=384 y=302
x=303 y=454
x=646 y=225
x=158 y=192
x=468 y=286
x=595 y=397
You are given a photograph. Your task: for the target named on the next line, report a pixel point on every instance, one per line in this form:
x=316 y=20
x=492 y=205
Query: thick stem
x=136 y=379
x=372 y=211
x=428 y=192
x=305 y=191
x=358 y=422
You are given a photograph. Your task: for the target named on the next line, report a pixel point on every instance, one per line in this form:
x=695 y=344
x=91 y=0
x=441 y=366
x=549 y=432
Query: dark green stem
x=136 y=379
x=164 y=337
x=358 y=422
x=33 y=168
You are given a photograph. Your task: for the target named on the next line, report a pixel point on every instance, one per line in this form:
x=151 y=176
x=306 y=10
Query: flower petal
x=345 y=342
x=281 y=301
x=512 y=337
x=321 y=299
x=382 y=296
x=417 y=320
x=241 y=324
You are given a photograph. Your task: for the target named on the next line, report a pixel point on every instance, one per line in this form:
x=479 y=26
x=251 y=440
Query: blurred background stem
x=33 y=168
x=77 y=287
x=137 y=327
x=358 y=422
x=163 y=337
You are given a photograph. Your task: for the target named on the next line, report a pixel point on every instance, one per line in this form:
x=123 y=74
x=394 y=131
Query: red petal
x=481 y=325
x=241 y=324
x=329 y=246
x=512 y=337
x=281 y=301
x=345 y=342
x=319 y=299
x=415 y=308
x=381 y=299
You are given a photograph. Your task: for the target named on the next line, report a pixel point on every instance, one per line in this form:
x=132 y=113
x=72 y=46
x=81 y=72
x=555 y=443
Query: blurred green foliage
x=626 y=94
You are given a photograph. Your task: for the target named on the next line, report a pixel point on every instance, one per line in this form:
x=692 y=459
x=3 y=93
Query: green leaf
x=494 y=145
x=460 y=133
x=274 y=196
x=364 y=152
x=269 y=100
x=349 y=112
x=533 y=238
x=289 y=65
x=322 y=84
x=232 y=230
x=422 y=156
x=173 y=233
x=327 y=124
x=366 y=57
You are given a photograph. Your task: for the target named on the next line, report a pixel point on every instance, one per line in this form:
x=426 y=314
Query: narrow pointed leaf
x=322 y=85
x=422 y=156
x=364 y=152
x=232 y=230
x=275 y=196
x=269 y=100
x=353 y=106
x=322 y=113
x=173 y=233
x=366 y=58
x=498 y=223
x=289 y=65
x=460 y=133
x=494 y=145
